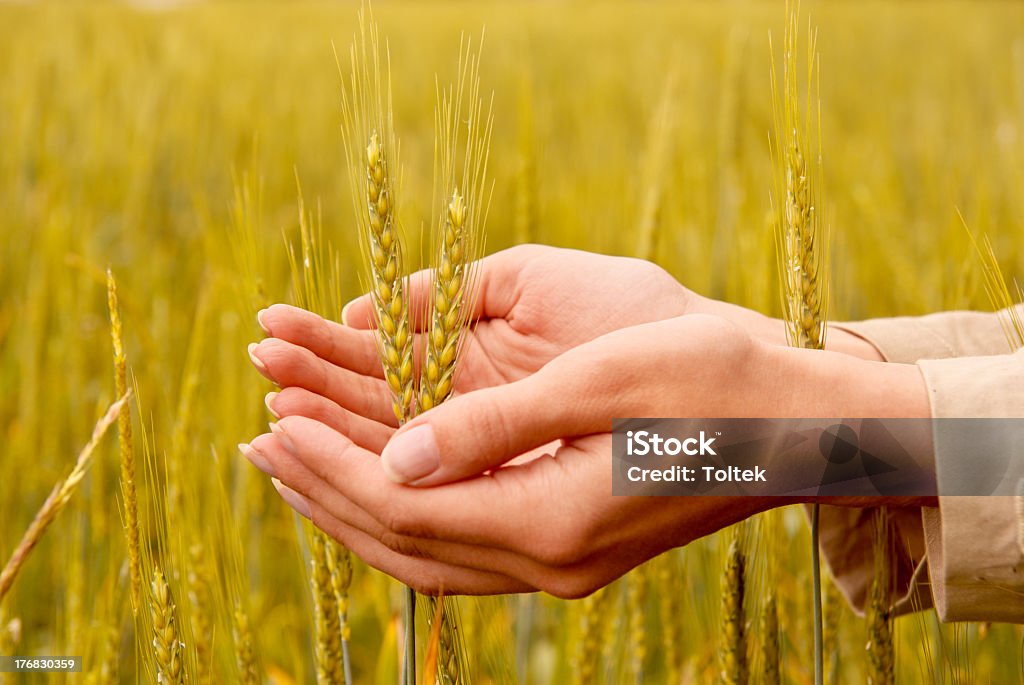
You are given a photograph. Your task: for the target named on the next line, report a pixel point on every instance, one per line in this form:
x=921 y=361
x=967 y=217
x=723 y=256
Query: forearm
x=807 y=383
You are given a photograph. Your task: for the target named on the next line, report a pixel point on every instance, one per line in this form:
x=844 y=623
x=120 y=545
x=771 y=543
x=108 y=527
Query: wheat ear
x=770 y=671
x=200 y=598
x=57 y=499
x=388 y=281
x=733 y=647
x=448 y=312
x=126 y=447
x=339 y=561
x=372 y=151
x=245 y=648
x=329 y=670
x=167 y=643
x=801 y=239
x=881 y=656
x=588 y=652
x=462 y=125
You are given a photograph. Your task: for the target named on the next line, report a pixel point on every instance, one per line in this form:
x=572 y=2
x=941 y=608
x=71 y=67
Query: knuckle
x=493 y=422
x=400 y=521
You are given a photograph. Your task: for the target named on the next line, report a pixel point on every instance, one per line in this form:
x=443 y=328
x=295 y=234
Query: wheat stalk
x=127 y=450
x=881 y=655
x=58 y=498
x=801 y=239
x=462 y=125
x=372 y=150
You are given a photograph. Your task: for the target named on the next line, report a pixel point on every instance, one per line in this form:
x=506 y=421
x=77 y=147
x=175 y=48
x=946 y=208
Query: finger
x=426 y=576
x=497 y=278
x=304 y=492
x=343 y=346
x=316 y=492
x=296 y=401
x=509 y=510
x=574 y=570
x=292 y=365
x=481 y=430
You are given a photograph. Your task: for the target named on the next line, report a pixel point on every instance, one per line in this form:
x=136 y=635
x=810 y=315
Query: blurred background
x=165 y=141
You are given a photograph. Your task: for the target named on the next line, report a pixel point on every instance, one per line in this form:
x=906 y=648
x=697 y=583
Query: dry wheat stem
x=126 y=447
x=58 y=498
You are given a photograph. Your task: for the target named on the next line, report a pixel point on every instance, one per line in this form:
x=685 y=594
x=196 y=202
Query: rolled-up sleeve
x=969 y=550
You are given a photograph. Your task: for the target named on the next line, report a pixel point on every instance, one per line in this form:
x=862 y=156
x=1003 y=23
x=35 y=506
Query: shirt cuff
x=907 y=339
x=975 y=545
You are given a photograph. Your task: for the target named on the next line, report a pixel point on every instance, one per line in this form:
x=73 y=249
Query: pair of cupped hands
x=507 y=486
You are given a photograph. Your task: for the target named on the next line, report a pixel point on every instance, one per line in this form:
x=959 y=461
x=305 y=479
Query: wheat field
x=172 y=144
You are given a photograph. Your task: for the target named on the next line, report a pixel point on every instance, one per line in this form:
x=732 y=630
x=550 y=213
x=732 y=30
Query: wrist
x=845 y=342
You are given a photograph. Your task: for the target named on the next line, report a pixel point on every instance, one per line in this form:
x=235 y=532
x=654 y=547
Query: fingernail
x=344 y=312
x=259 y=320
x=260 y=366
x=286 y=441
x=256 y=458
x=411 y=455
x=294 y=499
x=268 y=400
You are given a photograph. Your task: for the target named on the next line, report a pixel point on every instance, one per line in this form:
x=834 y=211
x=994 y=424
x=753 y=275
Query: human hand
x=534 y=303
x=551 y=523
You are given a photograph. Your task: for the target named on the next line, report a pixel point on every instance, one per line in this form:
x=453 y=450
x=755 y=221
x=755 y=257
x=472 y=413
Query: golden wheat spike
x=58 y=498
x=125 y=445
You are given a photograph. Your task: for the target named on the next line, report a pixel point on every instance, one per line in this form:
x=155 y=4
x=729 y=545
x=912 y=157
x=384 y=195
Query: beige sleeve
x=969 y=550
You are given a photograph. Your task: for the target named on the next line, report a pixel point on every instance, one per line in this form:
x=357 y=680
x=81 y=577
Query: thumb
x=481 y=430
